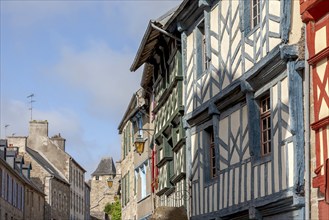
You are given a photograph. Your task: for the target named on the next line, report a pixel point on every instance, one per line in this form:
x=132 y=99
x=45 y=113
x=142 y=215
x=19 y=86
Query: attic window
x=97 y=177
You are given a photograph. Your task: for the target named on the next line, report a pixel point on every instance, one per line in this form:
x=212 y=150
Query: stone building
x=87 y=201
x=53 y=151
x=20 y=198
x=48 y=179
x=100 y=192
x=136 y=201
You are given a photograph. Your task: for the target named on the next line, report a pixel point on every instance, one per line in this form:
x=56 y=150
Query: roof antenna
x=6 y=126
x=31 y=101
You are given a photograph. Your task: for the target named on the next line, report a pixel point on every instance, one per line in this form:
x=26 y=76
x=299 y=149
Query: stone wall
x=76 y=179
x=101 y=194
x=10 y=211
x=129 y=211
x=7 y=209
x=59 y=199
x=34 y=204
x=54 y=150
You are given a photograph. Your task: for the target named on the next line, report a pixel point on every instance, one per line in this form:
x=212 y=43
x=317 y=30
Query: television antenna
x=31 y=103
x=6 y=126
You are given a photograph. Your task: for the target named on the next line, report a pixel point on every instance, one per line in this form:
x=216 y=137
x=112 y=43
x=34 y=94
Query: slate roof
x=105 y=167
x=45 y=164
x=150 y=39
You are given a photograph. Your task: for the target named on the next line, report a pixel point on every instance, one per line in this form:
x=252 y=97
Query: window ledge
x=253 y=30
x=262 y=159
x=204 y=72
x=144 y=198
x=164 y=160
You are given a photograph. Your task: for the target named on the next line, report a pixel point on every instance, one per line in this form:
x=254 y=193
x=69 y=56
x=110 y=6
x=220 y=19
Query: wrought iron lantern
x=110 y=182
x=139 y=145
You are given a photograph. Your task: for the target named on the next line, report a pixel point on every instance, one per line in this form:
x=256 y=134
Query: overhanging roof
x=150 y=40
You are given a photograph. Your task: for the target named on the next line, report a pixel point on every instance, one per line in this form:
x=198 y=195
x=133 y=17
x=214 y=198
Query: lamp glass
x=109 y=183
x=139 y=145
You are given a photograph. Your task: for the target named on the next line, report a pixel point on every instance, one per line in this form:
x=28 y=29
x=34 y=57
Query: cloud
x=32 y=13
x=63 y=121
x=102 y=73
x=96 y=70
x=135 y=15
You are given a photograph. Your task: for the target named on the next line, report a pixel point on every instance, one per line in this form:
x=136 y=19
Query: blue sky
x=75 y=57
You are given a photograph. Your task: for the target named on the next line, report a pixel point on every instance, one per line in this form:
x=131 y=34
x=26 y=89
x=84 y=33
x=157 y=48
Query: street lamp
x=139 y=144
x=109 y=182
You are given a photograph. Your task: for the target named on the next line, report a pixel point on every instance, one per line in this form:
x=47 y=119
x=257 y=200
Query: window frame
x=201 y=49
x=254 y=4
x=265 y=116
x=212 y=152
x=211 y=144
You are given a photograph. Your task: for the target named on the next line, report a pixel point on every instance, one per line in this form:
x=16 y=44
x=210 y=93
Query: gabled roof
x=21 y=176
x=130 y=109
x=45 y=164
x=150 y=39
x=105 y=167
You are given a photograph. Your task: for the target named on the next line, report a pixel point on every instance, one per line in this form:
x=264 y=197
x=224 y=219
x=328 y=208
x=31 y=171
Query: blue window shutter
x=253 y=127
x=128 y=193
x=199 y=61
x=128 y=137
x=246 y=17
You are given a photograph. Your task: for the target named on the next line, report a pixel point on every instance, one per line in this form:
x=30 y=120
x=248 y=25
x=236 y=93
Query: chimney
x=10 y=156
x=59 y=141
x=19 y=161
x=26 y=168
x=118 y=167
x=3 y=147
x=20 y=142
x=38 y=128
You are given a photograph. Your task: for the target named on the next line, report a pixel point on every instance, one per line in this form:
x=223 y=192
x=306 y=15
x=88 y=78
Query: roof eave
x=128 y=110
x=138 y=58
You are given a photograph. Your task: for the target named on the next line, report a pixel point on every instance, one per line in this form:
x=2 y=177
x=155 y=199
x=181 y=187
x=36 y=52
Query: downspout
x=307 y=130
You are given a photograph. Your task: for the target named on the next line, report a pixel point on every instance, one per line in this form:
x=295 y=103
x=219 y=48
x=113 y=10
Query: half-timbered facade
x=243 y=103
x=315 y=14
x=160 y=52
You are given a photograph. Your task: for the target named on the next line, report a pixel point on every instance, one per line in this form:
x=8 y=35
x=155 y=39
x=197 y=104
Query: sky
x=74 y=56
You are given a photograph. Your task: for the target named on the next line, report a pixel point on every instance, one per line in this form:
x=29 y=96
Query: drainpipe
x=307 y=130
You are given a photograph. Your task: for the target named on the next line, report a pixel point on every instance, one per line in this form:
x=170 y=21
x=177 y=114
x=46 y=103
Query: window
x=125 y=189
x=255 y=13
x=202 y=61
x=126 y=140
x=140 y=126
x=27 y=196
x=0 y=182
x=97 y=177
x=265 y=125
x=32 y=199
x=143 y=182
x=212 y=152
